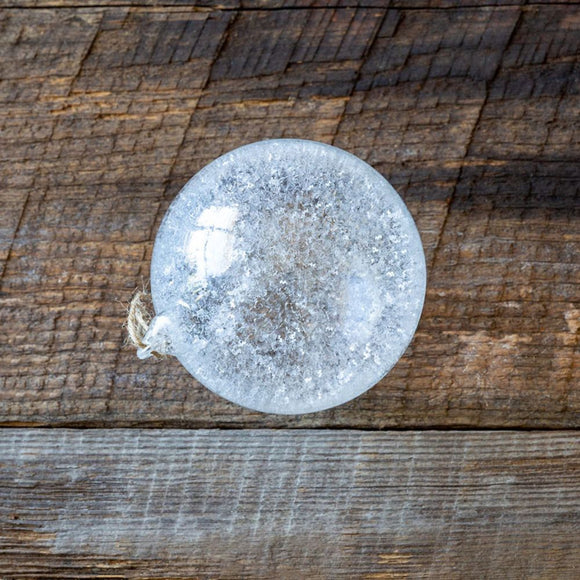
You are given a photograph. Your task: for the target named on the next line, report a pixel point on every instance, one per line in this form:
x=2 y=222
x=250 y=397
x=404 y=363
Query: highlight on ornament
x=287 y=276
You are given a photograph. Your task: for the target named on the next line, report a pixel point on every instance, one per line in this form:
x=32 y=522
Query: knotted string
x=139 y=318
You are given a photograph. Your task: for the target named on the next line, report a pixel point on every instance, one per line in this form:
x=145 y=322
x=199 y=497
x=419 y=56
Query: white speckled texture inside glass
x=287 y=276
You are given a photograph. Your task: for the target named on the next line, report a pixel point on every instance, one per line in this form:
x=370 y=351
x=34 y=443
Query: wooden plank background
x=472 y=113
x=471 y=110
x=290 y=504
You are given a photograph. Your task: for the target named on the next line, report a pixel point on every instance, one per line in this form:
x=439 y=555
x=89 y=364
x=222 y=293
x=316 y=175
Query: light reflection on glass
x=361 y=307
x=210 y=249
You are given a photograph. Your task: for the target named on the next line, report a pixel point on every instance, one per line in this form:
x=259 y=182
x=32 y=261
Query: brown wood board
x=471 y=112
x=288 y=504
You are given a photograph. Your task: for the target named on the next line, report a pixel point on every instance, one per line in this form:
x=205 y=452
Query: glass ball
x=287 y=276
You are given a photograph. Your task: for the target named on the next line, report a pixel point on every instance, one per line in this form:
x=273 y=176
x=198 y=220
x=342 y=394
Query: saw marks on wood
x=471 y=113
x=264 y=504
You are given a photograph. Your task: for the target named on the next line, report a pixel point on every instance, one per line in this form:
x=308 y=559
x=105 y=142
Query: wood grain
x=201 y=5
x=472 y=113
x=288 y=504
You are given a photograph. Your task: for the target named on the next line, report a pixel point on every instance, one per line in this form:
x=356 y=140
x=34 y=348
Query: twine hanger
x=138 y=320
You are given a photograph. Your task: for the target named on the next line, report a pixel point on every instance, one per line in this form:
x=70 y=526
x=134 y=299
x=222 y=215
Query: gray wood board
x=289 y=504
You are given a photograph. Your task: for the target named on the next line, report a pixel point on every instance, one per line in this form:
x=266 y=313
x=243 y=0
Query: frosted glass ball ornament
x=287 y=276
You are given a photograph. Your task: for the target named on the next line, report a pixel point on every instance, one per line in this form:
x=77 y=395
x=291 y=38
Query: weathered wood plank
x=264 y=4
x=471 y=113
x=280 y=4
x=289 y=504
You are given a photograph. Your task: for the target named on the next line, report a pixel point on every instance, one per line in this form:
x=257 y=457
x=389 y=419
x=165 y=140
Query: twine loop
x=138 y=320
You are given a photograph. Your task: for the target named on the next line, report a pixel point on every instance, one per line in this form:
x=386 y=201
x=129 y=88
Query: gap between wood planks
x=185 y=425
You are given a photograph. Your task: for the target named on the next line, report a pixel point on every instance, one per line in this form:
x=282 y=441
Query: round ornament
x=287 y=276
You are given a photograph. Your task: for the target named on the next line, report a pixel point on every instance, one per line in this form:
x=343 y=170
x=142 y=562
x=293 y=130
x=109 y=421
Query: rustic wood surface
x=289 y=504
x=471 y=112
x=107 y=107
